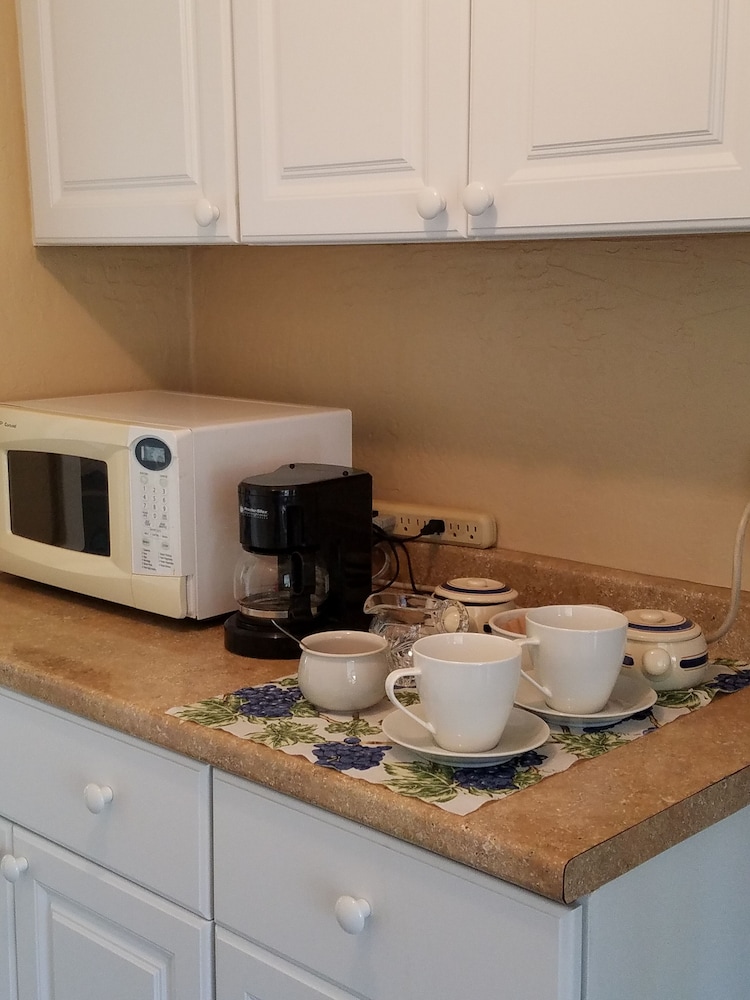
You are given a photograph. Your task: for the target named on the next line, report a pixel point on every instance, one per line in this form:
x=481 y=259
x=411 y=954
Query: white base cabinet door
x=84 y=934
x=130 y=123
x=597 y=117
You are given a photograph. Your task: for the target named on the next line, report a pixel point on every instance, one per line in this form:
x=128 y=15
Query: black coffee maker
x=306 y=535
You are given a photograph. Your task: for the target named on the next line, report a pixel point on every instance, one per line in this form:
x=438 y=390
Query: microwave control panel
x=155 y=506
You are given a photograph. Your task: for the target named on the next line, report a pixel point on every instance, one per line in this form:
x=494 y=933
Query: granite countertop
x=561 y=838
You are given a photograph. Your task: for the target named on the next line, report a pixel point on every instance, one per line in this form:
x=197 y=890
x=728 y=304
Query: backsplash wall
x=591 y=394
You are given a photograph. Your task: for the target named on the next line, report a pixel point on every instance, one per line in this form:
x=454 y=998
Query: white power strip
x=462 y=527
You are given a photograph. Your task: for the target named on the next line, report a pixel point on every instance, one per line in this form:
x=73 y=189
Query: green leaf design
x=214 y=712
x=687 y=698
x=353 y=727
x=287 y=682
x=422 y=780
x=408 y=696
x=284 y=733
x=527 y=776
x=304 y=709
x=588 y=745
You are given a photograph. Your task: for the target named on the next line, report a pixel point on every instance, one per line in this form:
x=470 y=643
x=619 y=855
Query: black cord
x=435 y=526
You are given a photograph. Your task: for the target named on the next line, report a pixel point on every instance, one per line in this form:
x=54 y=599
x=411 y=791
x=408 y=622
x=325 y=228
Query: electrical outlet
x=462 y=527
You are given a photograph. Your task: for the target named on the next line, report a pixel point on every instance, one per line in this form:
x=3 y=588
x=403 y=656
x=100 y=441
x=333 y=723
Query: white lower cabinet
x=308 y=905
x=83 y=932
x=105 y=879
x=106 y=892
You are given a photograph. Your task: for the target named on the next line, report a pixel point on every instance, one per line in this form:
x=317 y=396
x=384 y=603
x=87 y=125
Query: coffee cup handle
x=526 y=641
x=390 y=681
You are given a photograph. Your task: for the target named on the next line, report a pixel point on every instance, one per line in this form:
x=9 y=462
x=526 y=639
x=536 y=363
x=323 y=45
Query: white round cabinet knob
x=430 y=203
x=352 y=913
x=13 y=868
x=477 y=198
x=205 y=213
x=97 y=797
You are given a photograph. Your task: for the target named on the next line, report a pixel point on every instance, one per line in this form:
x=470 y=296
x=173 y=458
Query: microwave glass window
x=61 y=500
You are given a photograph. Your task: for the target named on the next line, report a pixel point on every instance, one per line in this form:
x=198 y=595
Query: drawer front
x=155 y=829
x=436 y=929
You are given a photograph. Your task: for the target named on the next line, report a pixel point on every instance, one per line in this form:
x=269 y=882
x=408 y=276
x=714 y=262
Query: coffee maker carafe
x=306 y=564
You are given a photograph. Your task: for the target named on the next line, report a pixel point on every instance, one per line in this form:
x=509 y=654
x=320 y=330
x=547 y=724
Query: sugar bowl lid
x=476 y=590
x=651 y=624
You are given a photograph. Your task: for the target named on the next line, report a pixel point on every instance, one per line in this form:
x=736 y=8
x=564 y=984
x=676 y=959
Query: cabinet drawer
x=156 y=828
x=436 y=929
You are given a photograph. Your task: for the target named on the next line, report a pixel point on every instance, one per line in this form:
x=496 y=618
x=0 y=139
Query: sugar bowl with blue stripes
x=669 y=650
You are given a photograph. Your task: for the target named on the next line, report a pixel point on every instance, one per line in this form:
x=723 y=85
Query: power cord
x=391 y=545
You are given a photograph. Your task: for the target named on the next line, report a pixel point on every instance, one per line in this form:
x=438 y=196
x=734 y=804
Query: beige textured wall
x=593 y=395
x=79 y=319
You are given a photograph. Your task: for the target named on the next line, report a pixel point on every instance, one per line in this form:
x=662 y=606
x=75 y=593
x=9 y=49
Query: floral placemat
x=277 y=715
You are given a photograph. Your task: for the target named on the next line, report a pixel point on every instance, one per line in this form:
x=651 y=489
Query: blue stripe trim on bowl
x=681 y=627
x=694 y=661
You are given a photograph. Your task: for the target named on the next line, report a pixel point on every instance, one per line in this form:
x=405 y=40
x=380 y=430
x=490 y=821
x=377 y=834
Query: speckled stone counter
x=562 y=838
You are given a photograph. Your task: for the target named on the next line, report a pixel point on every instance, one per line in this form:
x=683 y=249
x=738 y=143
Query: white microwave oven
x=133 y=496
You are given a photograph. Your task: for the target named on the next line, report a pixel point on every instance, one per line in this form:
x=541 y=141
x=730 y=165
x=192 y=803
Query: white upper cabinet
x=351 y=117
x=366 y=120
x=130 y=120
x=596 y=117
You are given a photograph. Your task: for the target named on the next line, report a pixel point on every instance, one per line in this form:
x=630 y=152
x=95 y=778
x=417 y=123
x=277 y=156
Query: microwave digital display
x=61 y=500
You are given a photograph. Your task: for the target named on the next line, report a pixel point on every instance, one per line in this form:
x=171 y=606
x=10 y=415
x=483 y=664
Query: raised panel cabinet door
x=7 y=922
x=590 y=117
x=351 y=118
x=129 y=119
x=82 y=933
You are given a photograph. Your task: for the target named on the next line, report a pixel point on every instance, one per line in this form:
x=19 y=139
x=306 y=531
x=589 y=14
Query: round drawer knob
x=430 y=203
x=97 y=797
x=352 y=914
x=13 y=868
x=477 y=198
x=205 y=212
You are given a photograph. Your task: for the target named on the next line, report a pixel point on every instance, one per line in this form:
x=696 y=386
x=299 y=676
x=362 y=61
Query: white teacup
x=344 y=670
x=467 y=682
x=576 y=651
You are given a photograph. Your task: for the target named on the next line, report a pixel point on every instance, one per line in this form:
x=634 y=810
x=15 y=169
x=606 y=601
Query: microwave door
x=60 y=500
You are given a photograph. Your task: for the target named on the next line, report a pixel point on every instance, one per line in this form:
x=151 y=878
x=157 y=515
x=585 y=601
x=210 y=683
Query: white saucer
x=631 y=694
x=523 y=732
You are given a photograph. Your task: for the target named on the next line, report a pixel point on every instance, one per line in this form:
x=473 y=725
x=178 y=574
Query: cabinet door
x=129 y=120
x=243 y=970
x=351 y=118
x=82 y=932
x=597 y=117
x=7 y=923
